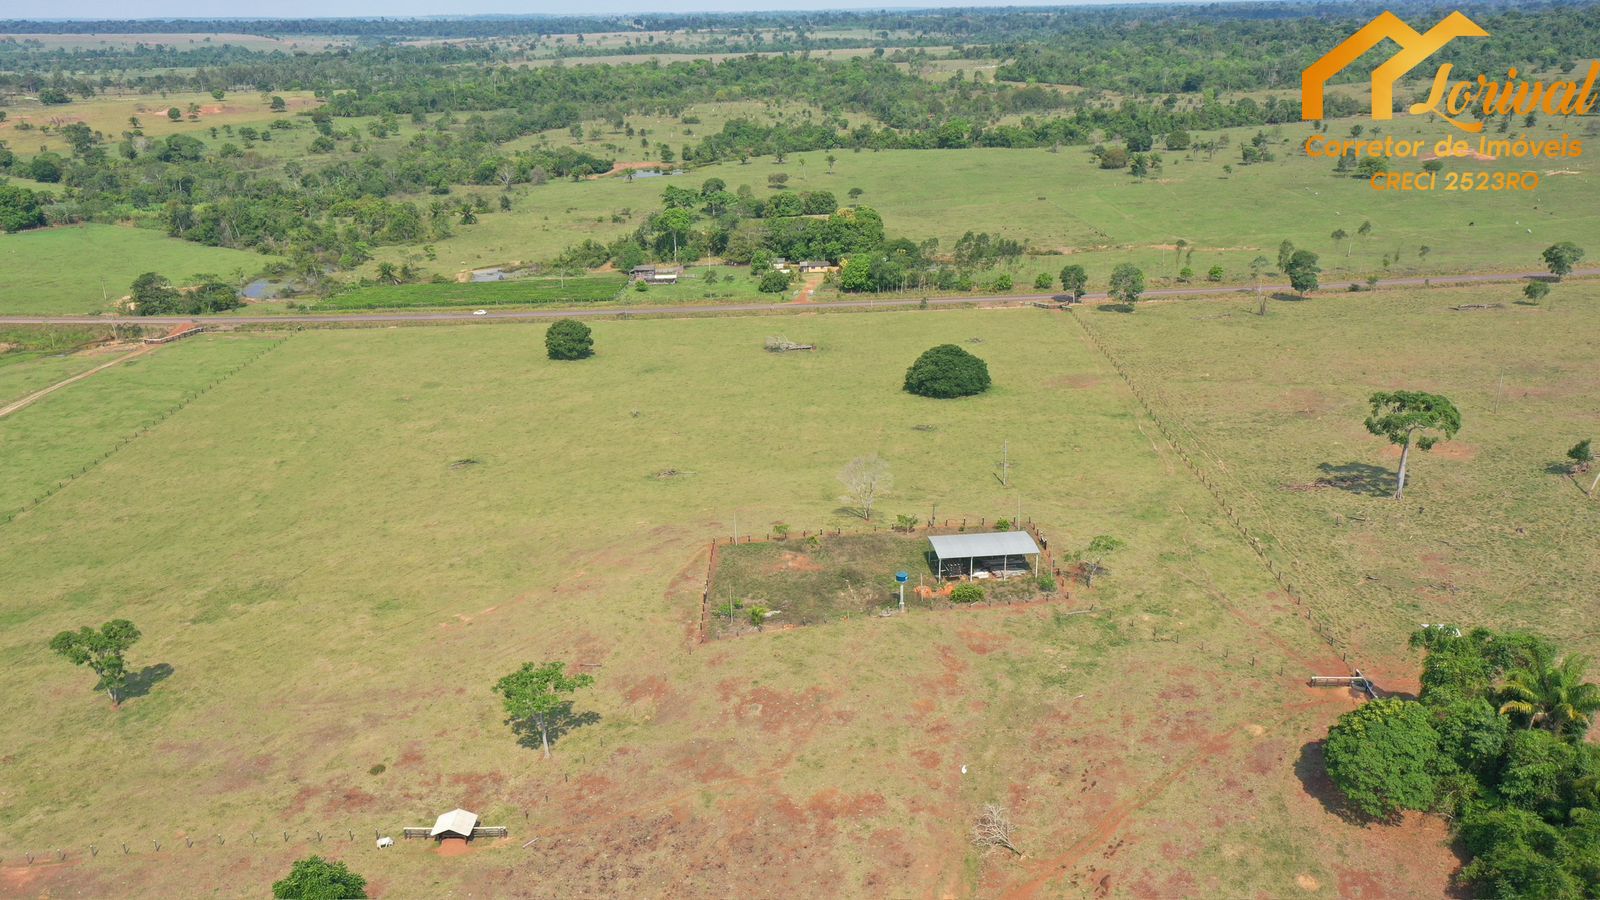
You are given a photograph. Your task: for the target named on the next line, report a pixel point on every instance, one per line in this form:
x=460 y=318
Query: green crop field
x=528 y=292
x=309 y=576
x=86 y=268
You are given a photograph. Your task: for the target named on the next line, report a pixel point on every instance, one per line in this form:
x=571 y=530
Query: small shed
x=994 y=554
x=817 y=265
x=457 y=823
x=656 y=274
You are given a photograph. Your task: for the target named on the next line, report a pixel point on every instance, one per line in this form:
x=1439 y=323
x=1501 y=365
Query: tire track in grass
x=59 y=486
x=36 y=396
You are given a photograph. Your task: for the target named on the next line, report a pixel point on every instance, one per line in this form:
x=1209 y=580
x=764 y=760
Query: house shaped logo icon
x=1414 y=48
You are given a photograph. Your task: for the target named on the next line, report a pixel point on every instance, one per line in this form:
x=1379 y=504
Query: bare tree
x=865 y=479
x=994 y=828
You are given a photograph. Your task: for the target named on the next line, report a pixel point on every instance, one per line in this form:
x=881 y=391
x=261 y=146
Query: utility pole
x=1005 y=464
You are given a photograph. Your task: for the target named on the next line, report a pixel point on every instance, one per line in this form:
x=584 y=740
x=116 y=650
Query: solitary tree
x=1339 y=237
x=1258 y=267
x=1074 y=280
x=1582 y=458
x=1127 y=283
x=102 y=651
x=947 y=371
x=1303 y=271
x=1560 y=258
x=1553 y=696
x=1406 y=418
x=569 y=339
x=1092 y=558
x=315 y=878
x=865 y=479
x=1535 y=291
x=534 y=694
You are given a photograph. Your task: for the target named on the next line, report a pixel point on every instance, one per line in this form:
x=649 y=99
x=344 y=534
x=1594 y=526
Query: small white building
x=455 y=823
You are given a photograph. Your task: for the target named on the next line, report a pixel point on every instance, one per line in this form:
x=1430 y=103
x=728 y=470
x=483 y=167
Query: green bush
x=947 y=371
x=773 y=282
x=1047 y=583
x=315 y=878
x=569 y=339
x=966 y=593
x=1384 y=756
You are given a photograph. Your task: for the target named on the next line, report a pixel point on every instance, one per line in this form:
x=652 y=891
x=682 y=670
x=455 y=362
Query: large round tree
x=569 y=339
x=315 y=878
x=1384 y=757
x=947 y=371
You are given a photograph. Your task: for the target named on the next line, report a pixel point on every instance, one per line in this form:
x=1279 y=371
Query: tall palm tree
x=1552 y=696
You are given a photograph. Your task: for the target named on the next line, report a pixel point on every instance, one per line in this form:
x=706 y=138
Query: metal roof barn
x=995 y=543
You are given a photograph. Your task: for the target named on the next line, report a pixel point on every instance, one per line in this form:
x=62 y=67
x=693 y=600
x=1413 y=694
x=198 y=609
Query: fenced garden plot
x=810 y=579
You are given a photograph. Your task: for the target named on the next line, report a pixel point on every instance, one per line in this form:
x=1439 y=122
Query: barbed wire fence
x=1296 y=578
x=140 y=431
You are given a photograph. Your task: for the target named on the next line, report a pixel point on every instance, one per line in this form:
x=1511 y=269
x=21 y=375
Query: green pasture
x=1491 y=532
x=313 y=546
x=84 y=269
x=529 y=292
x=1069 y=210
x=61 y=437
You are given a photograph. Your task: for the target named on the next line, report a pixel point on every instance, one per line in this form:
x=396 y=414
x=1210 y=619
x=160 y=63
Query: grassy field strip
x=50 y=445
x=38 y=395
x=1209 y=472
x=82 y=269
x=233 y=558
x=22 y=373
x=1281 y=400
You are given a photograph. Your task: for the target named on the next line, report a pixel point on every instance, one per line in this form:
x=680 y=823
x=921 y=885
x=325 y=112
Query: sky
x=285 y=9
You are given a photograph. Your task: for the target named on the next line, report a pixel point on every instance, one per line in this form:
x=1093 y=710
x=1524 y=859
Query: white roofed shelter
x=455 y=823
x=995 y=554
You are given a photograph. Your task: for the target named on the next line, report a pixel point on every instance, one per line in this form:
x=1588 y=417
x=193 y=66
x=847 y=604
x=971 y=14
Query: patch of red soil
x=652 y=688
x=982 y=642
x=452 y=846
x=928 y=759
x=792 y=712
x=791 y=561
x=704 y=761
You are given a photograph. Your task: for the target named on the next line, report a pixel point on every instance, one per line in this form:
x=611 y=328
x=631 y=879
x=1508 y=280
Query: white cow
x=385 y=841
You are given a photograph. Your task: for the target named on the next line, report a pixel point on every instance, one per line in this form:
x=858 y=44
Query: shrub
x=966 y=593
x=947 y=371
x=378 y=769
x=773 y=282
x=1047 y=583
x=569 y=339
x=1043 y=281
x=1384 y=756
x=315 y=878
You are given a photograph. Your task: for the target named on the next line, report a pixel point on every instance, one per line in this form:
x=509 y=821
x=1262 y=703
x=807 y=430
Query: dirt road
x=624 y=311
